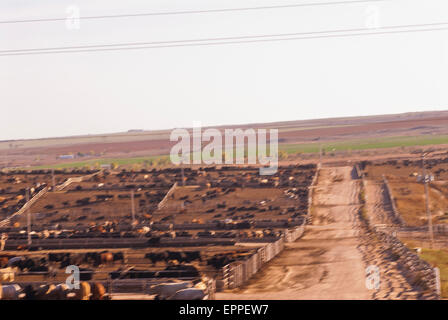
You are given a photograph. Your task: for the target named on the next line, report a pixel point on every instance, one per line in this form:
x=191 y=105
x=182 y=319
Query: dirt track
x=325 y=263
x=330 y=261
x=379 y=207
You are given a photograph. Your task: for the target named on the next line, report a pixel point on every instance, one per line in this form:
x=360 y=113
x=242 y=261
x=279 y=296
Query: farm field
x=401 y=133
x=437 y=257
x=409 y=193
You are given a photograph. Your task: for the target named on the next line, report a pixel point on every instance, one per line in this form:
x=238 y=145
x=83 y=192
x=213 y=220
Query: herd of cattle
x=79 y=212
x=179 y=290
x=437 y=166
x=239 y=232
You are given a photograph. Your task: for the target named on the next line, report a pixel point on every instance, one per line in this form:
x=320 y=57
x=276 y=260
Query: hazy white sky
x=99 y=92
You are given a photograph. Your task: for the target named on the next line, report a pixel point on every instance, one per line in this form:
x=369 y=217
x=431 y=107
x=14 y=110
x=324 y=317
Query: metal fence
x=26 y=206
x=165 y=199
x=392 y=201
x=69 y=181
x=235 y=274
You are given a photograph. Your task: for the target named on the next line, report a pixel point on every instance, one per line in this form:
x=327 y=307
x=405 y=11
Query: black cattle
x=192 y=255
x=178 y=271
x=220 y=260
x=175 y=255
x=92 y=258
x=83 y=201
x=132 y=273
x=85 y=274
x=221 y=205
x=205 y=234
x=156 y=256
x=26 y=264
x=65 y=262
x=40 y=268
x=118 y=256
x=183 y=234
x=57 y=257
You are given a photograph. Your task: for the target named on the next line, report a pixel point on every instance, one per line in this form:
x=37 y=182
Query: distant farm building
x=67 y=156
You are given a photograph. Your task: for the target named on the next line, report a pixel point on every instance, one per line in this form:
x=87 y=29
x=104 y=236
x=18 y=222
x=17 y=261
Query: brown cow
x=4 y=262
x=98 y=291
x=107 y=257
x=83 y=293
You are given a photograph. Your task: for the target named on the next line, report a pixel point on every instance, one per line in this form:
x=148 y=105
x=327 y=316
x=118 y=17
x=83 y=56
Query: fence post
x=438 y=287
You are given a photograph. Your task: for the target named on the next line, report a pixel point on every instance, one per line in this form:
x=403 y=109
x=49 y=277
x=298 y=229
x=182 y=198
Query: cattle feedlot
x=133 y=233
x=223 y=232
x=223 y=159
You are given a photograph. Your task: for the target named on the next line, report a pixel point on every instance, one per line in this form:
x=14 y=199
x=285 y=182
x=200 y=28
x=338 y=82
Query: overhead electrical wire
x=233 y=40
x=148 y=14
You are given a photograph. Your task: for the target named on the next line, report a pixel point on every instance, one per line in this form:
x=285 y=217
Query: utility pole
x=184 y=159
x=53 y=180
x=28 y=217
x=320 y=155
x=426 y=179
x=183 y=176
x=133 y=207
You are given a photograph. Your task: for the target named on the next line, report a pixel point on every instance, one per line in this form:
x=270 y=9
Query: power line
x=277 y=35
x=226 y=40
x=311 y=4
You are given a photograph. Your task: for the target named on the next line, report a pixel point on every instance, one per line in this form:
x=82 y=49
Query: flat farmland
x=409 y=193
x=398 y=132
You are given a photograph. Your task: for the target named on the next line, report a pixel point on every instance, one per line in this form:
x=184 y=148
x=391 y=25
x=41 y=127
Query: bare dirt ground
x=325 y=263
x=379 y=208
x=330 y=261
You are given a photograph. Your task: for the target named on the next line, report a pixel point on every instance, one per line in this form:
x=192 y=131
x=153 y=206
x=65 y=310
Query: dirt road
x=326 y=263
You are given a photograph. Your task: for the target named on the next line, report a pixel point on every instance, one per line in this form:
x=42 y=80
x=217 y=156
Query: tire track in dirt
x=330 y=260
x=379 y=208
x=326 y=262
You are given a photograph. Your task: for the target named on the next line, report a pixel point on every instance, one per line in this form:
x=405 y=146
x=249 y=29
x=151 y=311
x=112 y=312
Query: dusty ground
x=330 y=261
x=325 y=263
x=408 y=193
x=379 y=208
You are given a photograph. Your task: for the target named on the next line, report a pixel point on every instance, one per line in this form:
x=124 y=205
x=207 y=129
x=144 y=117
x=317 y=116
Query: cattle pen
x=218 y=227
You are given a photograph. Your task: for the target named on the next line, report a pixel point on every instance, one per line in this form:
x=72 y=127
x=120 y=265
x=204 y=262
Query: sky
x=105 y=92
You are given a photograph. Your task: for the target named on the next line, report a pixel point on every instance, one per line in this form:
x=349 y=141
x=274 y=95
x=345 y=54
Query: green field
x=365 y=144
x=438 y=258
x=361 y=144
x=149 y=161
